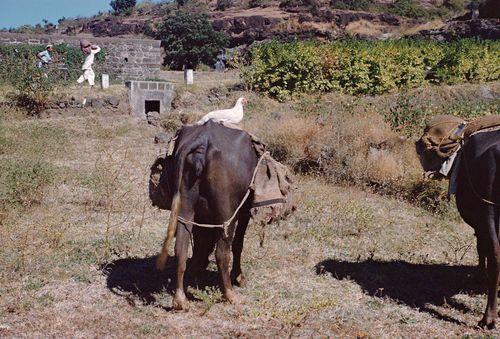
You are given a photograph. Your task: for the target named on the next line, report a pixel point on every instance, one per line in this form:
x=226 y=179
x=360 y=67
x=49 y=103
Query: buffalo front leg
x=493 y=267
x=182 y=240
x=237 y=276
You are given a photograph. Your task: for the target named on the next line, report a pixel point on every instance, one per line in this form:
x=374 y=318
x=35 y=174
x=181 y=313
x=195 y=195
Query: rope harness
x=228 y=222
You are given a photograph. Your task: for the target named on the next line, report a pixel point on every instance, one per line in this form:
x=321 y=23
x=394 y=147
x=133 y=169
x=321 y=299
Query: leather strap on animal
x=444 y=133
x=438 y=132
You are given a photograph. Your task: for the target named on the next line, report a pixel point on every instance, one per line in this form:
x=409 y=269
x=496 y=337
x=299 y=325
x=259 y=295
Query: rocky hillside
x=256 y=20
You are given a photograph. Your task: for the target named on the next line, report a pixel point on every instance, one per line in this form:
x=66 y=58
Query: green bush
x=255 y=3
x=282 y=70
x=32 y=85
x=222 y=5
x=354 y=5
x=123 y=6
x=408 y=8
x=191 y=40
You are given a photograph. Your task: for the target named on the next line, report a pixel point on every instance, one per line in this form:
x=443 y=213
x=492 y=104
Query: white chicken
x=233 y=115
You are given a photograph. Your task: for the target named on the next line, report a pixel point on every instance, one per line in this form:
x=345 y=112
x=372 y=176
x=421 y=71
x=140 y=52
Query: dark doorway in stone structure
x=151 y=106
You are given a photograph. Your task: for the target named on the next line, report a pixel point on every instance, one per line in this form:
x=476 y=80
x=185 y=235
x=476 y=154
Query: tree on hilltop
x=190 y=40
x=122 y=6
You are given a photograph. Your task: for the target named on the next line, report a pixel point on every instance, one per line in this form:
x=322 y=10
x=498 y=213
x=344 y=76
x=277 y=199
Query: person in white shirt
x=88 y=72
x=44 y=57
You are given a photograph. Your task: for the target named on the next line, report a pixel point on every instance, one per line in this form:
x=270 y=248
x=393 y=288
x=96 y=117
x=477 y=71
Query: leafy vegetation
x=35 y=85
x=122 y=6
x=191 y=40
x=209 y=296
x=255 y=3
x=407 y=117
x=281 y=70
x=17 y=57
x=222 y=5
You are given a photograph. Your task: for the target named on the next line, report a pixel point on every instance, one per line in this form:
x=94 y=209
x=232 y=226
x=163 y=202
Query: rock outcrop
x=247 y=29
x=114 y=26
x=480 y=28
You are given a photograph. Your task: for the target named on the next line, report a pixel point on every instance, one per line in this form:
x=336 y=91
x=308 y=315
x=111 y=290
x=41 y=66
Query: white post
x=105 y=81
x=189 y=76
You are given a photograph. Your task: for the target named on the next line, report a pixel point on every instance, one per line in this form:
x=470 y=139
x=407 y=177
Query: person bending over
x=44 y=57
x=88 y=73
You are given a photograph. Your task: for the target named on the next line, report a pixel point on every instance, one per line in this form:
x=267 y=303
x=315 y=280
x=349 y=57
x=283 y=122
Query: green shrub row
x=284 y=69
x=16 y=58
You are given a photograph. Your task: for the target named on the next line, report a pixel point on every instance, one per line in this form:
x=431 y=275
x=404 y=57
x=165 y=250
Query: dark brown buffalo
x=478 y=201
x=207 y=177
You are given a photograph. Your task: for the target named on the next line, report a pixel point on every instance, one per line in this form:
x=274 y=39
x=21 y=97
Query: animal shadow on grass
x=415 y=285
x=140 y=278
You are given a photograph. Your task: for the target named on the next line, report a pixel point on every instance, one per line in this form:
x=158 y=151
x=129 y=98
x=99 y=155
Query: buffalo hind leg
x=237 y=276
x=493 y=266
x=223 y=258
x=182 y=241
x=204 y=243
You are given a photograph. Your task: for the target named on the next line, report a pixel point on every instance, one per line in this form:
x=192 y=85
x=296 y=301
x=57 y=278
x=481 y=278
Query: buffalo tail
x=172 y=228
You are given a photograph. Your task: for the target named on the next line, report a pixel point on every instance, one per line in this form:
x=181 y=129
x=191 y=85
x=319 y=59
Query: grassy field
x=78 y=239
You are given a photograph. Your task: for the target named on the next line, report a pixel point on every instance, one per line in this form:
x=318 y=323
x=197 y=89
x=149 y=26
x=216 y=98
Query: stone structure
x=146 y=97
x=125 y=58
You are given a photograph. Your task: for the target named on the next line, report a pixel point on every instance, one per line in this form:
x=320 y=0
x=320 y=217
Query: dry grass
x=366 y=28
x=434 y=24
x=80 y=261
x=344 y=148
x=348 y=140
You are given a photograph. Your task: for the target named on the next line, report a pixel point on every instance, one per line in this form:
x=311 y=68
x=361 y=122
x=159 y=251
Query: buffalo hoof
x=239 y=280
x=180 y=302
x=233 y=297
x=487 y=322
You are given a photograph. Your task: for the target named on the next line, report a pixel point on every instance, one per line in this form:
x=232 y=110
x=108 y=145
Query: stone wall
x=125 y=58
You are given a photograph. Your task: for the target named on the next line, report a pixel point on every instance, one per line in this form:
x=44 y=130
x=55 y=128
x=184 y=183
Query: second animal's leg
x=182 y=241
x=481 y=252
x=493 y=266
x=237 y=276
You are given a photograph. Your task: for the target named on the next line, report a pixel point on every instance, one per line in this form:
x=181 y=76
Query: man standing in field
x=44 y=57
x=88 y=73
